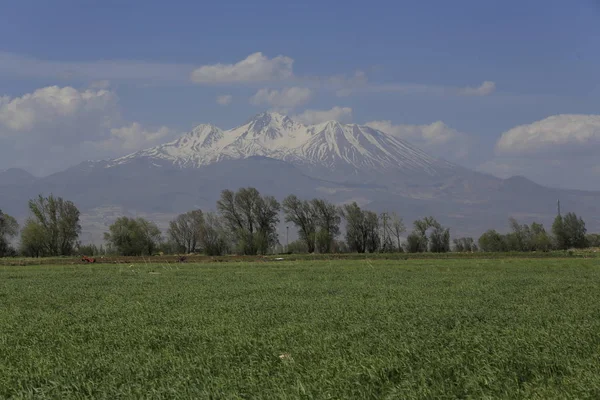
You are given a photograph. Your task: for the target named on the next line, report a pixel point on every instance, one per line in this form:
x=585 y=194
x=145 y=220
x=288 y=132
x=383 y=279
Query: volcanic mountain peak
x=330 y=144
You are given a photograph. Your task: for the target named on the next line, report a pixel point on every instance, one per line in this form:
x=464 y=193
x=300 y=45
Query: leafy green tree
x=416 y=243
x=593 y=240
x=239 y=219
x=518 y=240
x=251 y=219
x=362 y=229
x=302 y=215
x=168 y=246
x=575 y=231
x=492 y=241
x=512 y=242
x=387 y=233
x=527 y=238
x=373 y=239
x=355 y=229
x=297 y=247
x=151 y=235
x=328 y=221
x=542 y=242
x=33 y=240
x=558 y=230
x=59 y=221
x=340 y=246
x=464 y=245
x=539 y=239
x=267 y=216
x=186 y=231
x=214 y=238
x=9 y=228
x=395 y=229
x=569 y=232
x=438 y=240
x=133 y=237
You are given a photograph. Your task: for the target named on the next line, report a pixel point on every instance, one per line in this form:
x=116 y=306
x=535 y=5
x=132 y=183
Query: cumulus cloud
x=287 y=98
x=311 y=117
x=58 y=111
x=437 y=138
x=486 y=88
x=224 y=99
x=561 y=150
x=566 y=132
x=134 y=137
x=254 y=68
x=55 y=127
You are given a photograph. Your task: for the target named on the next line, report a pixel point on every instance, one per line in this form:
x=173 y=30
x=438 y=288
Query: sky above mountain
x=509 y=88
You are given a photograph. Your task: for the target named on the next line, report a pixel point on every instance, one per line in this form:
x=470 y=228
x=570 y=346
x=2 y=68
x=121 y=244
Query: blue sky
x=408 y=63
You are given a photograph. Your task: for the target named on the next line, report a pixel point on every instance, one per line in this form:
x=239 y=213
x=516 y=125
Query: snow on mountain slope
x=329 y=145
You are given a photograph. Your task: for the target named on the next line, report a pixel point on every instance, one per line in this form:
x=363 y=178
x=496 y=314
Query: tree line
x=245 y=222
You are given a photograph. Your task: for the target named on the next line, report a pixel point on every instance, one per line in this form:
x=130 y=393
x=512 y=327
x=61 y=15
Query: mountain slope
x=332 y=146
x=15 y=176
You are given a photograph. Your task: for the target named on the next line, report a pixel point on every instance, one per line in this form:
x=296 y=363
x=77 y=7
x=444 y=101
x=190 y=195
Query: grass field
x=472 y=328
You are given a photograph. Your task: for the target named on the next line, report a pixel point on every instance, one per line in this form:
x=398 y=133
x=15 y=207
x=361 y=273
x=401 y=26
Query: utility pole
x=558 y=206
x=287 y=238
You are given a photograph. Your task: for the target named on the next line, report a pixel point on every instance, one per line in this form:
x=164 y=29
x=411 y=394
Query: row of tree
x=246 y=223
x=567 y=232
x=52 y=229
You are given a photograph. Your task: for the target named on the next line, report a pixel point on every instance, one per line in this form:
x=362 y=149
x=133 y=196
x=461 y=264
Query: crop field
x=322 y=329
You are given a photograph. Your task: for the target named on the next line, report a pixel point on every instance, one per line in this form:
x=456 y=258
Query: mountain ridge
x=349 y=148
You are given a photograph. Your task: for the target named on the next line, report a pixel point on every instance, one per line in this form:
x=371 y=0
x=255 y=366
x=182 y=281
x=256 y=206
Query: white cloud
x=486 y=88
x=55 y=127
x=134 y=137
x=257 y=67
x=561 y=150
x=437 y=138
x=558 y=132
x=224 y=99
x=254 y=68
x=58 y=110
x=287 y=98
x=311 y=117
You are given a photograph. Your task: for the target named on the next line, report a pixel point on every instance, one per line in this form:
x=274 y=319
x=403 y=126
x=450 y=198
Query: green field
x=472 y=328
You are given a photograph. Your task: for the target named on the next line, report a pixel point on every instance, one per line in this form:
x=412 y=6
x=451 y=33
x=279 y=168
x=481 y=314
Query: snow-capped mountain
x=280 y=156
x=330 y=145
